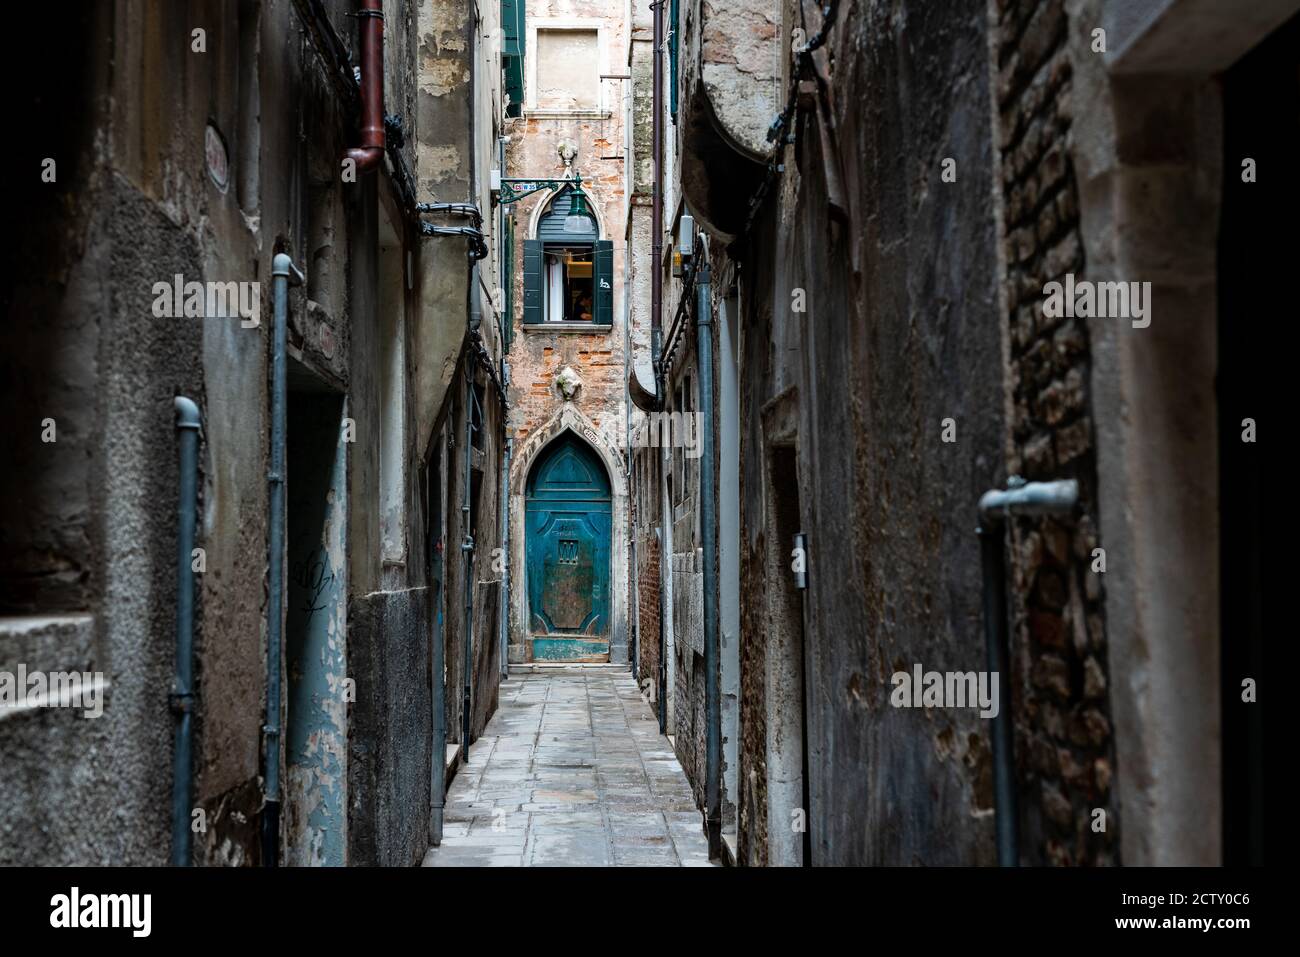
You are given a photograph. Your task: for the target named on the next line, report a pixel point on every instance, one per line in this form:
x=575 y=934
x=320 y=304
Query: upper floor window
x=568 y=270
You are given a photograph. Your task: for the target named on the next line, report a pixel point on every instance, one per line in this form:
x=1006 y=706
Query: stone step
x=44 y=662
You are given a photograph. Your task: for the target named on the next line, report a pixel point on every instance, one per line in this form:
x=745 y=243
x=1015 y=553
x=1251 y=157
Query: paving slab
x=571 y=772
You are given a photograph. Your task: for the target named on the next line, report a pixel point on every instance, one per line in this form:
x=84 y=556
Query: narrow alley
x=571 y=771
x=640 y=433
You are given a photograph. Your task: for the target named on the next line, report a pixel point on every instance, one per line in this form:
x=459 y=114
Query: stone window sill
x=590 y=328
x=543 y=113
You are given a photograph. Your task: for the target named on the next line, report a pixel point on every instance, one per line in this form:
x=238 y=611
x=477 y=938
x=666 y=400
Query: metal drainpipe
x=634 y=596
x=657 y=200
x=709 y=539
x=438 y=785
x=634 y=591
x=438 y=782
x=656 y=307
x=370 y=26
x=504 y=605
x=283 y=271
x=182 y=696
x=663 y=644
x=467 y=552
x=995 y=506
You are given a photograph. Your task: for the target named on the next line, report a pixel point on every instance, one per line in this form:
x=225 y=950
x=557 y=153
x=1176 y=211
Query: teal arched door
x=567 y=543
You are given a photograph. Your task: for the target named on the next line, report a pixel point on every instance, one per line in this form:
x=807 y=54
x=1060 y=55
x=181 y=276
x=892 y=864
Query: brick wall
x=535 y=361
x=537 y=357
x=1060 y=680
x=751 y=773
x=648 y=608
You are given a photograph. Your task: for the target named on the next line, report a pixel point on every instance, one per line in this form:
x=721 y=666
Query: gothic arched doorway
x=568 y=541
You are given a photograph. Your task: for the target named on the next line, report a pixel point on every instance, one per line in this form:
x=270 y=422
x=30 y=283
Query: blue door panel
x=567 y=528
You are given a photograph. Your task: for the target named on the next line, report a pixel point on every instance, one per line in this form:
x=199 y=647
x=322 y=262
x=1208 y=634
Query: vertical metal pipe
x=656 y=308
x=634 y=598
x=1033 y=499
x=996 y=658
x=370 y=26
x=709 y=540
x=633 y=589
x=657 y=202
x=467 y=552
x=282 y=271
x=438 y=784
x=503 y=610
x=438 y=771
x=182 y=697
x=662 y=690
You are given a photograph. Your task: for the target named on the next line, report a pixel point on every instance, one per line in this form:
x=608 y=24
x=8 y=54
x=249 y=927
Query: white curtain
x=554 y=289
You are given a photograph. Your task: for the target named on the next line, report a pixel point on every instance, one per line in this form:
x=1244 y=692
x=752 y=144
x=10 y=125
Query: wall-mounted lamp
x=579 y=219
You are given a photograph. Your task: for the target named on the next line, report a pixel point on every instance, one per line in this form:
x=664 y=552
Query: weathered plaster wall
x=134 y=205
x=730 y=87
x=900 y=333
x=390 y=747
x=739 y=65
x=443 y=174
x=58 y=804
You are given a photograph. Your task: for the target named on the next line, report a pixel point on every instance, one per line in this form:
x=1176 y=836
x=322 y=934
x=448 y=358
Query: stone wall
x=899 y=332
x=389 y=750
x=133 y=204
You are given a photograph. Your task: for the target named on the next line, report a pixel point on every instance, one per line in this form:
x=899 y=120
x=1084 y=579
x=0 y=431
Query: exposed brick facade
x=648 y=609
x=537 y=355
x=537 y=358
x=1060 y=681
x=751 y=785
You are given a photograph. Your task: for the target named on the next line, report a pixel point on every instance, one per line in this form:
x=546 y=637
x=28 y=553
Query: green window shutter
x=604 y=275
x=532 y=280
x=513 y=40
x=512 y=15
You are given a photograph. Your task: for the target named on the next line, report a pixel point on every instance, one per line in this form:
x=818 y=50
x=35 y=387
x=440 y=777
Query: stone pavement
x=571 y=770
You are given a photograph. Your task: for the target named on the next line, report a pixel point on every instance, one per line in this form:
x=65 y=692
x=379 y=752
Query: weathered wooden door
x=568 y=540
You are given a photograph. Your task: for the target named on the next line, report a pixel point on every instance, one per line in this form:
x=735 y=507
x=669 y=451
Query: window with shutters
x=568 y=271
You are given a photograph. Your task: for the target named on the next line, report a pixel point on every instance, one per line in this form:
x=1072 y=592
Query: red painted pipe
x=367 y=156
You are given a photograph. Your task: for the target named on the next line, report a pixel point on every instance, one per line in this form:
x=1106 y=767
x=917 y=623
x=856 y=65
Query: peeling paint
x=442 y=75
x=316 y=739
x=439 y=162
